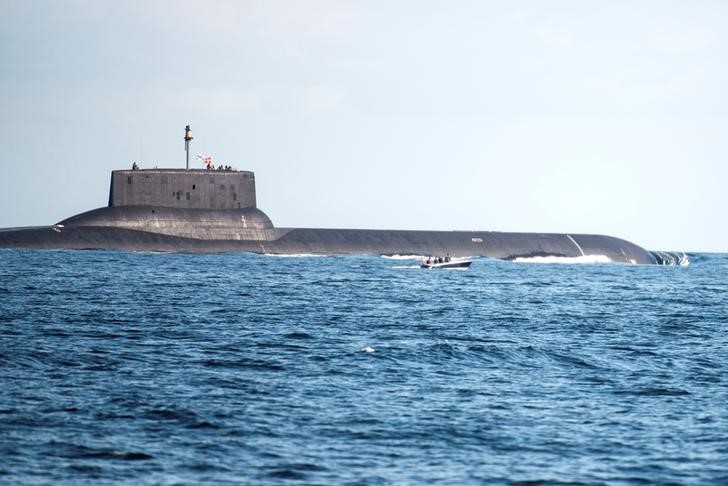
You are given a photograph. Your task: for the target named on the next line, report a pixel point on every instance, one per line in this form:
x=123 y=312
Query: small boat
x=445 y=263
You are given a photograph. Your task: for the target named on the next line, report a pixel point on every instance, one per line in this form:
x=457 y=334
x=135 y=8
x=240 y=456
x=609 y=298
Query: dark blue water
x=238 y=368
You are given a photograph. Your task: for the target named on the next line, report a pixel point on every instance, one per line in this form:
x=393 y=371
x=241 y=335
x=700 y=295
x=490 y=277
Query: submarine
x=215 y=210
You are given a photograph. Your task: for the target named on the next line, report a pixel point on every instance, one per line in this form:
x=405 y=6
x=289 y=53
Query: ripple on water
x=158 y=368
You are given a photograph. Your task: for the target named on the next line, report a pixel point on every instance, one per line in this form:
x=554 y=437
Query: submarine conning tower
x=179 y=188
x=201 y=204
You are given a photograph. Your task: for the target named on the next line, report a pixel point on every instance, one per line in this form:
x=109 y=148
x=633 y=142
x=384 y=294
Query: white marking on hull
x=576 y=244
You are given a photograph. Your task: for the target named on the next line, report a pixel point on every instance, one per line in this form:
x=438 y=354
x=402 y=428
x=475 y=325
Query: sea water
x=148 y=368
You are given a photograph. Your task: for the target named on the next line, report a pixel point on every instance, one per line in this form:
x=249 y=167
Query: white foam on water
x=297 y=255
x=565 y=260
x=404 y=257
x=367 y=349
x=670 y=258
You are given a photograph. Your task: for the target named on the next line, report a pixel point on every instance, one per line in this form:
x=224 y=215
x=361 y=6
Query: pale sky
x=533 y=116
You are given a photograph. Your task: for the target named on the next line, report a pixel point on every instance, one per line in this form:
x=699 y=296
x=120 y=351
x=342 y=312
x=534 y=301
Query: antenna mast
x=188 y=139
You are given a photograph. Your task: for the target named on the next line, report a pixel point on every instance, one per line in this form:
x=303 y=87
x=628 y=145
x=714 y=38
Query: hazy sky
x=537 y=116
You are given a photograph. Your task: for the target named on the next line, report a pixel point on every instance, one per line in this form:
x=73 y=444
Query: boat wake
x=404 y=257
x=671 y=258
x=565 y=260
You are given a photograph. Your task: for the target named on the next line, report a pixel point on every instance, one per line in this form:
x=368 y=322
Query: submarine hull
x=290 y=241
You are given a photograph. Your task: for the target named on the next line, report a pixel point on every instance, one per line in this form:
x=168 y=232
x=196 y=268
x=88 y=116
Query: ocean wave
x=671 y=258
